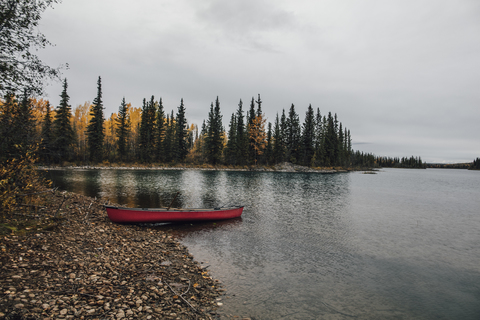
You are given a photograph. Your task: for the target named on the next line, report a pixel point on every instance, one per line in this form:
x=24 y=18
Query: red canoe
x=147 y=215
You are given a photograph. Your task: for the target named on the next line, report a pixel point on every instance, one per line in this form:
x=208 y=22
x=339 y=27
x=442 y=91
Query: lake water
x=399 y=244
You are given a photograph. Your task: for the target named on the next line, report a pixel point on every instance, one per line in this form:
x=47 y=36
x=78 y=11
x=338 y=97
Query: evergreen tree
x=7 y=112
x=331 y=145
x=147 y=130
x=277 y=142
x=269 y=150
x=123 y=129
x=293 y=136
x=95 y=130
x=318 y=138
x=62 y=128
x=160 y=135
x=214 y=141
x=259 y=106
x=169 y=138
x=341 y=151
x=181 y=133
x=231 y=149
x=308 y=137
x=251 y=117
x=241 y=137
x=47 y=137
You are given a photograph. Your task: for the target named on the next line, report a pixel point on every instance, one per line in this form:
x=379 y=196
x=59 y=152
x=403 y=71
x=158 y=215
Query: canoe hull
x=137 y=215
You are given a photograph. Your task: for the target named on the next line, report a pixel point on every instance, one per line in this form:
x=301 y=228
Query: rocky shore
x=73 y=263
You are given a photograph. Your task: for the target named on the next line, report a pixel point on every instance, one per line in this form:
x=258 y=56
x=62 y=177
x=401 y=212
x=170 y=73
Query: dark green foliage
x=308 y=137
x=231 y=149
x=169 y=144
x=278 y=147
x=47 y=138
x=293 y=136
x=20 y=69
x=331 y=145
x=64 y=137
x=160 y=132
x=95 y=132
x=404 y=162
x=181 y=134
x=214 y=139
x=259 y=106
x=241 y=137
x=147 y=130
x=475 y=164
x=269 y=149
x=251 y=116
x=123 y=129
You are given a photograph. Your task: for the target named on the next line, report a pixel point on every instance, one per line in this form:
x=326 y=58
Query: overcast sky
x=403 y=76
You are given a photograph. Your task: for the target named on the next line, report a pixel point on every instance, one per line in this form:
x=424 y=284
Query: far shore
x=283 y=167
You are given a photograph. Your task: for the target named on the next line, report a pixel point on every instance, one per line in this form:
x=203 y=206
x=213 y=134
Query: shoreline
x=80 y=265
x=283 y=167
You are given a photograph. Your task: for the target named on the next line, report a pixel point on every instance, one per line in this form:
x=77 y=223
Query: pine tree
x=214 y=141
x=147 y=130
x=308 y=137
x=95 y=130
x=241 y=137
x=169 y=137
x=181 y=134
x=62 y=128
x=47 y=137
x=231 y=149
x=251 y=117
x=278 y=151
x=331 y=145
x=269 y=150
x=259 y=106
x=160 y=135
x=123 y=129
x=293 y=136
x=318 y=138
x=7 y=133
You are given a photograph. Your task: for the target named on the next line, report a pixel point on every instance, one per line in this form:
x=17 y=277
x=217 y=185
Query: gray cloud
x=401 y=75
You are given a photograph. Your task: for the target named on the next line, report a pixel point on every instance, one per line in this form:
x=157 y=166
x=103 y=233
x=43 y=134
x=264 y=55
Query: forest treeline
x=152 y=135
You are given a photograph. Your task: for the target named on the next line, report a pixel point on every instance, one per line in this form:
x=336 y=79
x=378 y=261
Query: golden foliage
x=256 y=132
x=18 y=176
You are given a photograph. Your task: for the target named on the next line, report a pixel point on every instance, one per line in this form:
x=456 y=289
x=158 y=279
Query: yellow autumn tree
x=256 y=132
x=81 y=117
x=110 y=142
x=135 y=115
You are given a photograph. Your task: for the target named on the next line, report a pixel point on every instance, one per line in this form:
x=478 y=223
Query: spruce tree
x=47 y=137
x=318 y=138
x=160 y=135
x=331 y=145
x=269 y=150
x=123 y=129
x=62 y=128
x=308 y=137
x=214 y=141
x=241 y=137
x=231 y=149
x=277 y=142
x=293 y=136
x=95 y=130
x=251 y=117
x=181 y=134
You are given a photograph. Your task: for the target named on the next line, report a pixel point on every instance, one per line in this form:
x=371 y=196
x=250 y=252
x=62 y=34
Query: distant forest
x=151 y=135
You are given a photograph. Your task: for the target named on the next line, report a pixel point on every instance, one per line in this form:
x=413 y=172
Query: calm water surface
x=399 y=244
